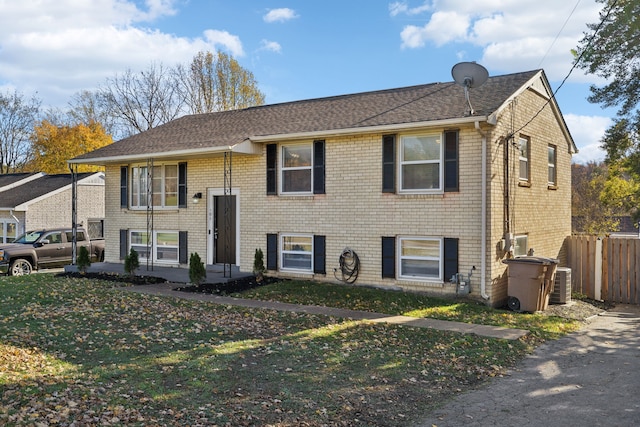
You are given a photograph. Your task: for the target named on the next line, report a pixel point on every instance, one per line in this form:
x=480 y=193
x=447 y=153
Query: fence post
x=598 y=271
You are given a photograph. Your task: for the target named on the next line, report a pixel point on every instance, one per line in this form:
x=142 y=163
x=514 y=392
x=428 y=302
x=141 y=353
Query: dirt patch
x=114 y=277
x=578 y=309
x=231 y=286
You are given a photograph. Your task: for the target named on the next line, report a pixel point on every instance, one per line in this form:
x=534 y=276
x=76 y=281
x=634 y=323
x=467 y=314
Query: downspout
x=483 y=228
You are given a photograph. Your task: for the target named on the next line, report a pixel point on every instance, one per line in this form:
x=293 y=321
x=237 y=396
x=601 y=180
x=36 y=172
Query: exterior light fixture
x=196 y=198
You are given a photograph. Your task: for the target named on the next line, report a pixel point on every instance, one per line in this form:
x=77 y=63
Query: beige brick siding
x=55 y=210
x=355 y=213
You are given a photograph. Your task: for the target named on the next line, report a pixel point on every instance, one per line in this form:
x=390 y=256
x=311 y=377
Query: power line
x=559 y=32
x=575 y=64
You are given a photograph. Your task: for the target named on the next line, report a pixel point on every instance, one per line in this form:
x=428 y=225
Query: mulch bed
x=231 y=286
x=115 y=277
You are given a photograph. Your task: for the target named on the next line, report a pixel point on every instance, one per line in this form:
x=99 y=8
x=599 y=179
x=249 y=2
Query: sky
x=303 y=49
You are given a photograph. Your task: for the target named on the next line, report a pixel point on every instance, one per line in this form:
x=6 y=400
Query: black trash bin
x=531 y=280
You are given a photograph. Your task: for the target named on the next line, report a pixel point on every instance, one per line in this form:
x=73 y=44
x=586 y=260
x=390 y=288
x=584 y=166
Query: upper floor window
x=421 y=163
x=297 y=166
x=524 y=155
x=296 y=169
x=163 y=181
x=551 y=160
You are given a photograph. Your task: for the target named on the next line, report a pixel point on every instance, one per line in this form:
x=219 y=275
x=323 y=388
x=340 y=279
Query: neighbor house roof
x=369 y=111
x=16 y=197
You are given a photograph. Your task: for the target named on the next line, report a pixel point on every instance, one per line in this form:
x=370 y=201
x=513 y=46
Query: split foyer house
x=35 y=200
x=415 y=183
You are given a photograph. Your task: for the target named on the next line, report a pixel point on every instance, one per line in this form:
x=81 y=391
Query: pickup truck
x=46 y=249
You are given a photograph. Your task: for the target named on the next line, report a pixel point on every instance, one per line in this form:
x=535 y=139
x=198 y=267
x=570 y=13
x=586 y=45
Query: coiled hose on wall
x=349 y=266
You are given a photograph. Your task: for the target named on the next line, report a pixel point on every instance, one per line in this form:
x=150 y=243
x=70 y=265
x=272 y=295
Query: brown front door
x=224 y=229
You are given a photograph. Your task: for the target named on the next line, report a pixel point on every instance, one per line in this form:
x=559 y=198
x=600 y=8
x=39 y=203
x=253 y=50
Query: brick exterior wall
x=355 y=213
x=55 y=210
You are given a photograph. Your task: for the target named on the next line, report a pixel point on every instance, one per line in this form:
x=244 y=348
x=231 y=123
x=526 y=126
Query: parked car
x=41 y=249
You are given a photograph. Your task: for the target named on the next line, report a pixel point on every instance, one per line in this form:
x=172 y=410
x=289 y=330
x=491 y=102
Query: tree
x=141 y=101
x=87 y=107
x=17 y=117
x=54 y=144
x=217 y=83
x=612 y=51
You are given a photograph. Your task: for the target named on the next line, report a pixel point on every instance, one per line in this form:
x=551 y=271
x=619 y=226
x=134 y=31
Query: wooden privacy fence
x=605 y=268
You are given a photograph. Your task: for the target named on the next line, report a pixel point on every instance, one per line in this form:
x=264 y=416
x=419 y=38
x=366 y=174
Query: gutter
x=483 y=226
x=248 y=145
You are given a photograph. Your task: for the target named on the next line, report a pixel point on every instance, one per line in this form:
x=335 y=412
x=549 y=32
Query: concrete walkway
x=587 y=378
x=167 y=289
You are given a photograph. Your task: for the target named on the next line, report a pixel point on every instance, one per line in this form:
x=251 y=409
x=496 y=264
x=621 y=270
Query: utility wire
x=559 y=32
x=575 y=64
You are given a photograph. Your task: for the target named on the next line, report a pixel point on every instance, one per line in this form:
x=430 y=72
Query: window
x=297 y=166
x=523 y=150
x=8 y=231
x=420 y=163
x=165 y=246
x=297 y=252
x=95 y=228
x=300 y=169
x=164 y=185
x=520 y=245
x=420 y=258
x=551 y=160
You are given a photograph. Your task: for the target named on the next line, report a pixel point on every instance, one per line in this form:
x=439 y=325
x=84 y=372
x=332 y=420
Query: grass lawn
x=86 y=352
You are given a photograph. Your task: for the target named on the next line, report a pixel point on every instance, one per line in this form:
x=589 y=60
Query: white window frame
x=4 y=225
x=155 y=247
x=439 y=259
x=286 y=252
x=524 y=160
x=402 y=163
x=284 y=169
x=520 y=245
x=552 y=165
x=141 y=193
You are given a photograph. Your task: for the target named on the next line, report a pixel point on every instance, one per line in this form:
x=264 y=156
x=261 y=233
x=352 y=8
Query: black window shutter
x=389 y=257
x=318 y=167
x=319 y=255
x=123 y=244
x=272 y=251
x=272 y=169
x=451 y=161
x=450 y=258
x=182 y=185
x=123 y=186
x=389 y=164
x=183 y=255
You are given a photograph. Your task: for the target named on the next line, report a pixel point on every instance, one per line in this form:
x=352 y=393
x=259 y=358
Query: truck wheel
x=20 y=267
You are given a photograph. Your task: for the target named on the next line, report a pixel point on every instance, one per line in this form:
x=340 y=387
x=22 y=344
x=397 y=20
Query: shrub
x=83 y=261
x=131 y=262
x=258 y=262
x=197 y=272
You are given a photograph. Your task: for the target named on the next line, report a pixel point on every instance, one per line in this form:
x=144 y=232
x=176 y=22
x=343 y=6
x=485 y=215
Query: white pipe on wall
x=483 y=226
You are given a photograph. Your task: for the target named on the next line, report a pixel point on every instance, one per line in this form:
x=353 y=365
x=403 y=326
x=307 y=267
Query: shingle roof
x=12 y=178
x=36 y=188
x=414 y=104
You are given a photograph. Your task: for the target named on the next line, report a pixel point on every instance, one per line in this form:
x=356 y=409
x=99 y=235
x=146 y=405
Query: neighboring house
x=409 y=179
x=30 y=201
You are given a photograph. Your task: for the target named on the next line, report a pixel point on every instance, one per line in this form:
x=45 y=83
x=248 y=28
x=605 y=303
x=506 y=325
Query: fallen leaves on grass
x=83 y=352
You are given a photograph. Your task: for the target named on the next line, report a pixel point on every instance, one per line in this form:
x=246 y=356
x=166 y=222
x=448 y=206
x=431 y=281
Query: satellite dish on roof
x=469 y=75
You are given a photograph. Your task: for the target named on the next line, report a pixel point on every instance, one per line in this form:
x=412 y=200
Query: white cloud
x=280 y=15
x=226 y=40
x=270 y=46
x=54 y=48
x=587 y=131
x=513 y=36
